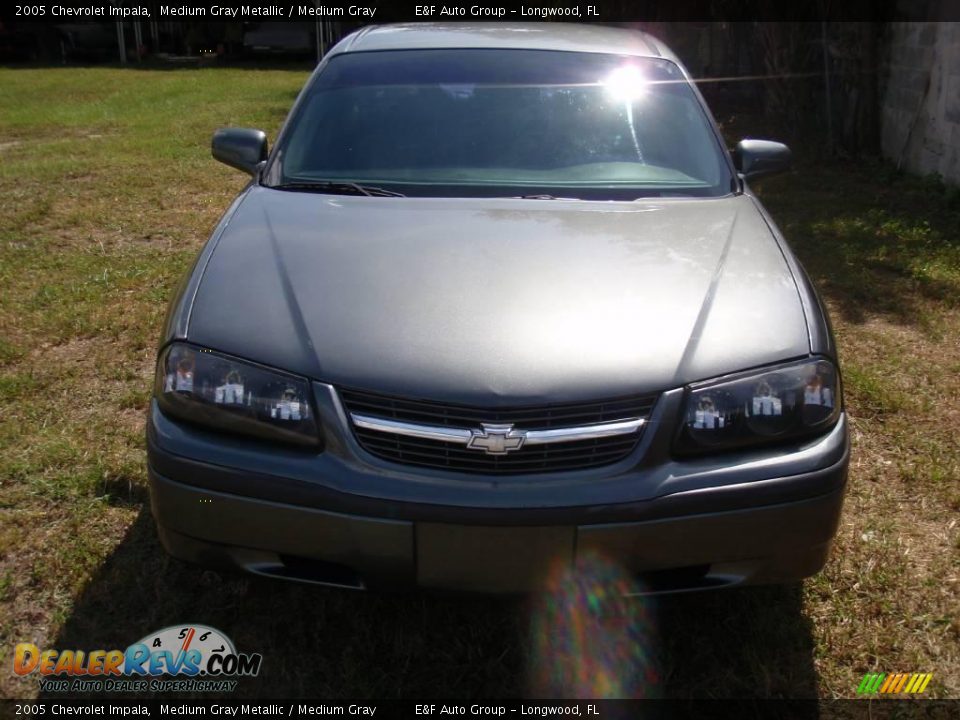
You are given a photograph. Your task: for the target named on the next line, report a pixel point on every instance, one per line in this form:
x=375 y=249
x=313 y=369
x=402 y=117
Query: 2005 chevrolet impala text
x=498 y=299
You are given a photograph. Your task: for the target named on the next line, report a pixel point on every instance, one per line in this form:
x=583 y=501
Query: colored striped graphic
x=907 y=683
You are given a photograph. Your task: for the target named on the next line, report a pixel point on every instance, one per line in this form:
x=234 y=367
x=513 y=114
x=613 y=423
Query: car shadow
x=741 y=643
x=328 y=643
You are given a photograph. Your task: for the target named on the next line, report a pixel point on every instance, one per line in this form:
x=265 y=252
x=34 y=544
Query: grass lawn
x=108 y=191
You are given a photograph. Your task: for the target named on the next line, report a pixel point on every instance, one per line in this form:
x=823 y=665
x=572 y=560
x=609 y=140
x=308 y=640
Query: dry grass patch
x=889 y=600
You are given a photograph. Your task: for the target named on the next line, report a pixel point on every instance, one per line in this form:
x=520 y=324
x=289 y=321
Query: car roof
x=570 y=37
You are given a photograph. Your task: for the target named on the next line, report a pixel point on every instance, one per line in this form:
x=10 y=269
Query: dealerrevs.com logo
x=196 y=657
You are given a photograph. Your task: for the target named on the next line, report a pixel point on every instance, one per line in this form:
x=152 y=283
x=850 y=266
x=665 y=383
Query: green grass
x=109 y=191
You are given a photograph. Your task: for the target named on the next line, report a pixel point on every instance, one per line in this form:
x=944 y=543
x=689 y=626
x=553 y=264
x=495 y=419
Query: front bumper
x=760 y=517
x=769 y=544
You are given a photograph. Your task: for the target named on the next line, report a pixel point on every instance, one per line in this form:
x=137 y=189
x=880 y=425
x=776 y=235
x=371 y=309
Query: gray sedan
x=499 y=301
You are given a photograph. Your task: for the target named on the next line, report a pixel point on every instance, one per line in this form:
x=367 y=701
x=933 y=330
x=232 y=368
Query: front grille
x=554 y=457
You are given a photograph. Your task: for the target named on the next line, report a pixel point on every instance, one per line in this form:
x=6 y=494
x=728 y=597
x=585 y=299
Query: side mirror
x=240 y=148
x=756 y=158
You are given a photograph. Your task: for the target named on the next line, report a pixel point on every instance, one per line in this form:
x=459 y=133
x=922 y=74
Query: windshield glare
x=503 y=123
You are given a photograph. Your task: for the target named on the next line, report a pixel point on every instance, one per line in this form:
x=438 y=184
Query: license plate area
x=490 y=559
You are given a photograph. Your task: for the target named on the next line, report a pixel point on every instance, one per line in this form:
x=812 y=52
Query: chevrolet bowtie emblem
x=496 y=439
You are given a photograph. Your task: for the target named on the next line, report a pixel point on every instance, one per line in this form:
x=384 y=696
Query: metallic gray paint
x=756 y=158
x=499 y=301
x=240 y=148
x=771 y=543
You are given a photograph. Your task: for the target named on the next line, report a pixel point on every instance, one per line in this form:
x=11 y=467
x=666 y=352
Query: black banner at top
x=377 y=11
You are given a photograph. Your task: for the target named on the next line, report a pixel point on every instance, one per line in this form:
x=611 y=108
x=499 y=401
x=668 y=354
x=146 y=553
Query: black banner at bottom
x=177 y=708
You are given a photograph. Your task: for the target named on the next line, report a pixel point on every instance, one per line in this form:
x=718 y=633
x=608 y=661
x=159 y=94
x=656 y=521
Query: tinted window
x=481 y=122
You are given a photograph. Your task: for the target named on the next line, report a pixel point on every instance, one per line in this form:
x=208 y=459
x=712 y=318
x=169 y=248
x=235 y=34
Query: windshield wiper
x=547 y=196
x=541 y=196
x=338 y=187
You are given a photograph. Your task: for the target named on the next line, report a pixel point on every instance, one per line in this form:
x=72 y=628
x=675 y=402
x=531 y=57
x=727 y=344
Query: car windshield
x=487 y=122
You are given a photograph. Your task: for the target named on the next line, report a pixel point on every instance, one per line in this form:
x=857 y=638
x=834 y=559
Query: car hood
x=499 y=301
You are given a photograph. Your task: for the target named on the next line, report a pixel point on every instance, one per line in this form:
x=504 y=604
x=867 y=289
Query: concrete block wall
x=920 y=122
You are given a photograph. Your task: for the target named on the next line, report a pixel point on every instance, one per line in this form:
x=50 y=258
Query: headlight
x=771 y=405
x=219 y=391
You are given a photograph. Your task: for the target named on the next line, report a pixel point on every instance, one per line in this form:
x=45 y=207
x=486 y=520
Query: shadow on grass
x=876 y=243
x=340 y=644
x=122 y=490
